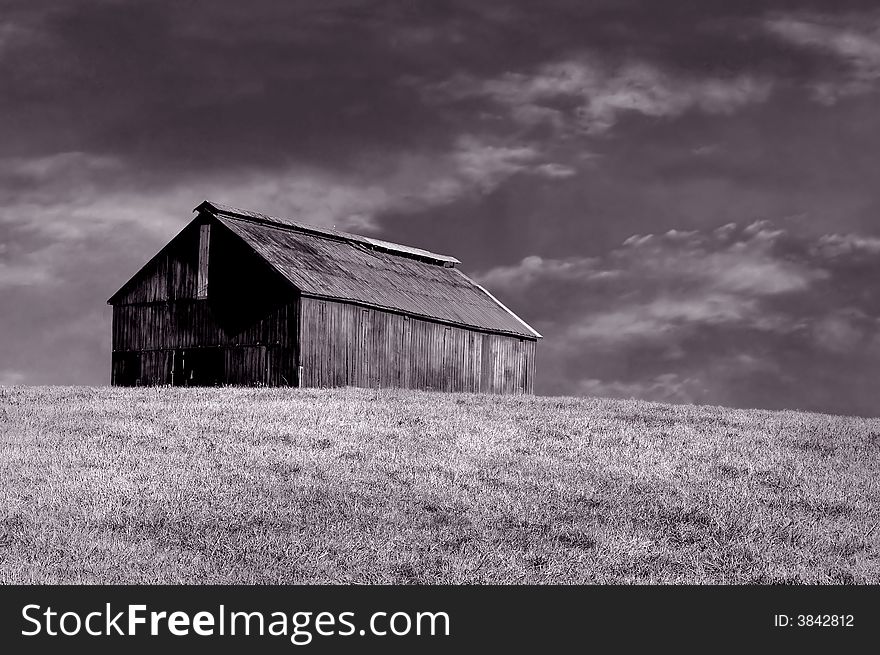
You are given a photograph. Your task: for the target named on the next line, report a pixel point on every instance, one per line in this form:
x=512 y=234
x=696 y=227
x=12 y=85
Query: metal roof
x=340 y=266
x=217 y=208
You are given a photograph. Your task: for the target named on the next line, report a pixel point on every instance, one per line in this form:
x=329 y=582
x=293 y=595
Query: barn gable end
x=242 y=332
x=243 y=298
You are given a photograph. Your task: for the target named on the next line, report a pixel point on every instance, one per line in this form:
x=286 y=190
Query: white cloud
x=534 y=269
x=588 y=95
x=666 y=387
x=8 y=377
x=31 y=270
x=12 y=34
x=485 y=165
x=705 y=315
x=654 y=286
x=841 y=331
x=51 y=206
x=35 y=264
x=555 y=170
x=654 y=320
x=51 y=203
x=843 y=245
x=73 y=195
x=44 y=168
x=729 y=261
x=852 y=39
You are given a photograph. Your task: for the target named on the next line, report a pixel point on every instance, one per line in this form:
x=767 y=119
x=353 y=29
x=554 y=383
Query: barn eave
x=217 y=209
x=533 y=336
x=220 y=216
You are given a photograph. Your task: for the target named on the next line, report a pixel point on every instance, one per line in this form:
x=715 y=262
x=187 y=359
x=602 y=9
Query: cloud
x=73 y=216
x=29 y=269
x=9 y=34
x=9 y=377
x=673 y=280
x=465 y=118
x=485 y=165
x=666 y=387
x=717 y=316
x=68 y=196
x=852 y=39
x=654 y=320
x=554 y=169
x=843 y=330
x=74 y=166
x=654 y=287
x=587 y=95
x=534 y=268
x=834 y=246
x=728 y=260
x=74 y=225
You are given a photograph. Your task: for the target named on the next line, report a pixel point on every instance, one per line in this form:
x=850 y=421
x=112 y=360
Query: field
x=233 y=485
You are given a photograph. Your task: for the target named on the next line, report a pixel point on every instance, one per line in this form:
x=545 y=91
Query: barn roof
x=327 y=263
x=378 y=244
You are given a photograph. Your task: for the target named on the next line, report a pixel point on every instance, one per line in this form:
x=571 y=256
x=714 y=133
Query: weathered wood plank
x=350 y=345
x=204 y=254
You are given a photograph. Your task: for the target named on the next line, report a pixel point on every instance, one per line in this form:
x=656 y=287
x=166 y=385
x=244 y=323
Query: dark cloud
x=745 y=315
x=528 y=139
x=192 y=85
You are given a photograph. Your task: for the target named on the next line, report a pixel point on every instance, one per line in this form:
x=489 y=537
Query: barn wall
x=170 y=276
x=252 y=324
x=195 y=324
x=244 y=332
x=262 y=353
x=343 y=344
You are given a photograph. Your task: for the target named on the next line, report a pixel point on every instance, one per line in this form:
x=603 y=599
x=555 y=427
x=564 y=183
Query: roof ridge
x=379 y=244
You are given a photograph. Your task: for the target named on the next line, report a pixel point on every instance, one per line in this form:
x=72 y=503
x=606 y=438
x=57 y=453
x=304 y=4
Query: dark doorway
x=198 y=367
x=126 y=368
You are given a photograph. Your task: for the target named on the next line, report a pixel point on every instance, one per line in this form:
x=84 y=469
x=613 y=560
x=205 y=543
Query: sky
x=683 y=197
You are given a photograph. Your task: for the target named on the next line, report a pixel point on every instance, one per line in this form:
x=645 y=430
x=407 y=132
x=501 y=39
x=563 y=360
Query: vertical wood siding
x=264 y=353
x=204 y=252
x=244 y=332
x=253 y=328
x=344 y=344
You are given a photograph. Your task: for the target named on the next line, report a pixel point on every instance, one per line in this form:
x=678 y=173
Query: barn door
x=126 y=369
x=197 y=367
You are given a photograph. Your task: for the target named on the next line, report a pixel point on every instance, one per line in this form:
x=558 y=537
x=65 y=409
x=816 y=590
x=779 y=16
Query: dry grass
x=109 y=485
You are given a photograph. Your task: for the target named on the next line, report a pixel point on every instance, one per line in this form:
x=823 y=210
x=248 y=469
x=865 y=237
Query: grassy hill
x=224 y=485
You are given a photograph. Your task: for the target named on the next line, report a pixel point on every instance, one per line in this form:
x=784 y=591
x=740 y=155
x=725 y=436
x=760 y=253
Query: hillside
x=231 y=485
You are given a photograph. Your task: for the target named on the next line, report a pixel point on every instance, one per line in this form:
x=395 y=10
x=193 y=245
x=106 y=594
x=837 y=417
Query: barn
x=242 y=298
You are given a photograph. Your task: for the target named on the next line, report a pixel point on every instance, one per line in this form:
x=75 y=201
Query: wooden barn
x=242 y=298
